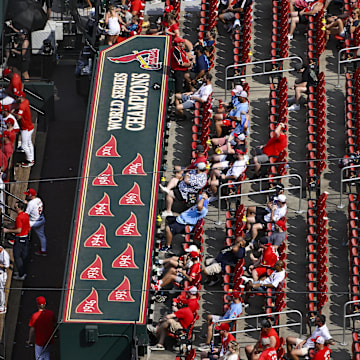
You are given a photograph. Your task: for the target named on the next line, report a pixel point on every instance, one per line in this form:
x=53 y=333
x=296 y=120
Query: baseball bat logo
x=148 y=59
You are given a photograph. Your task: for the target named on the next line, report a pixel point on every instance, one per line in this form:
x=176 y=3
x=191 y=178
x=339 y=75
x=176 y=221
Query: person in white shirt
x=35 y=209
x=6 y=115
x=4 y=265
x=189 y=98
x=298 y=347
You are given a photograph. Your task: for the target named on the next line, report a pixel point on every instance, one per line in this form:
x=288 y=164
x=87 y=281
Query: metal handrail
x=257 y=322
x=12 y=195
x=345 y=61
x=258 y=192
x=28 y=91
x=263 y=62
x=348 y=316
x=342 y=181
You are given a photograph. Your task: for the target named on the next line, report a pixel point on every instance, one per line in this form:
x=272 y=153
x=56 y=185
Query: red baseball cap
x=19 y=93
x=10 y=121
x=194 y=254
x=168 y=8
x=30 y=192
x=223 y=326
x=6 y=108
x=6 y=72
x=178 y=40
x=40 y=300
x=281 y=224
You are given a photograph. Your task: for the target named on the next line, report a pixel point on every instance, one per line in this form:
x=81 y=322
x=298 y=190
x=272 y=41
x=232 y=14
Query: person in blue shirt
x=233 y=312
x=238 y=114
x=200 y=68
x=176 y=225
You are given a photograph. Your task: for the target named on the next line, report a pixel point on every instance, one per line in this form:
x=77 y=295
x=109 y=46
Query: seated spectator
x=343 y=27
x=189 y=98
x=237 y=114
x=226 y=339
x=269 y=256
x=268 y=353
x=322 y=351
x=298 y=347
x=174 y=322
x=209 y=40
x=125 y=14
x=302 y=16
x=296 y=5
x=273 y=148
x=229 y=255
x=267 y=331
x=225 y=147
x=301 y=86
x=233 y=352
x=7 y=116
x=259 y=286
x=276 y=238
x=224 y=171
x=199 y=157
x=233 y=312
x=200 y=68
x=131 y=28
x=176 y=225
x=226 y=107
x=189 y=272
x=190 y=300
x=228 y=15
x=184 y=188
x=179 y=62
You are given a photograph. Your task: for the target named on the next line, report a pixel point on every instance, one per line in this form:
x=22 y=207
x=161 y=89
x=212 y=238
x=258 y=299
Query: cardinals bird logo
x=148 y=59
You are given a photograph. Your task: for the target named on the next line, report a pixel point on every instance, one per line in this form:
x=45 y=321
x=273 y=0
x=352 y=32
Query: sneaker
x=20 y=149
x=41 y=253
x=155 y=287
x=18 y=277
x=214 y=282
x=27 y=164
x=246 y=279
x=164 y=189
x=157 y=347
x=294 y=107
x=2 y=310
x=151 y=329
x=166 y=213
x=291 y=99
x=166 y=248
x=247 y=236
x=246 y=305
x=204 y=347
x=11 y=241
x=290 y=37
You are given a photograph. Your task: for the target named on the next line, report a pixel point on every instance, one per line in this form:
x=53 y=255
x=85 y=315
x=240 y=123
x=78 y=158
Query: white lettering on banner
x=116 y=112
x=125 y=260
x=93 y=273
x=129 y=228
x=89 y=306
x=119 y=86
x=120 y=295
x=97 y=239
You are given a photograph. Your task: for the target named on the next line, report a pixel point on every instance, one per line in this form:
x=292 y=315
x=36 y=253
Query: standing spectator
x=21 y=243
x=322 y=351
x=125 y=14
x=112 y=21
x=4 y=265
x=298 y=347
x=15 y=84
x=228 y=15
x=273 y=147
x=35 y=210
x=200 y=68
x=180 y=63
x=189 y=98
x=135 y=7
x=269 y=353
x=8 y=138
x=185 y=189
x=23 y=114
x=267 y=331
x=233 y=312
x=42 y=325
x=48 y=6
x=7 y=116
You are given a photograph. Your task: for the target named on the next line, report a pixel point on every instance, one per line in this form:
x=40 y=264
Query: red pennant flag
x=122 y=292
x=97 y=239
x=108 y=149
x=106 y=178
x=102 y=208
x=90 y=305
x=136 y=167
x=129 y=227
x=126 y=259
x=94 y=271
x=132 y=197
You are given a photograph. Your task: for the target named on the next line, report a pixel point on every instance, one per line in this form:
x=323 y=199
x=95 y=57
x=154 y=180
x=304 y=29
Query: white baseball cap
x=237 y=90
x=243 y=94
x=192 y=248
x=282 y=198
x=201 y=166
x=193 y=290
x=319 y=340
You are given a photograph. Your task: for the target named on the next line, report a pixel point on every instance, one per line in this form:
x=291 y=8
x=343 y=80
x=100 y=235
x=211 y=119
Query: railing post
x=341 y=205
x=344 y=326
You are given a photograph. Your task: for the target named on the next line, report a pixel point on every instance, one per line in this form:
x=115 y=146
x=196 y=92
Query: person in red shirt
x=42 y=325
x=267 y=331
x=23 y=114
x=190 y=300
x=322 y=352
x=8 y=138
x=269 y=353
x=136 y=6
x=266 y=261
x=179 y=62
x=15 y=84
x=179 y=320
x=274 y=147
x=21 y=242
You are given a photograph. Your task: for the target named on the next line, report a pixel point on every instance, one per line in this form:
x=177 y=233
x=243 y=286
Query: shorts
x=179 y=80
x=213 y=267
x=261 y=271
x=224 y=165
x=303 y=19
x=262 y=158
x=186 y=102
x=260 y=213
x=226 y=122
x=175 y=227
x=304 y=350
x=174 y=325
x=179 y=278
x=228 y=16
